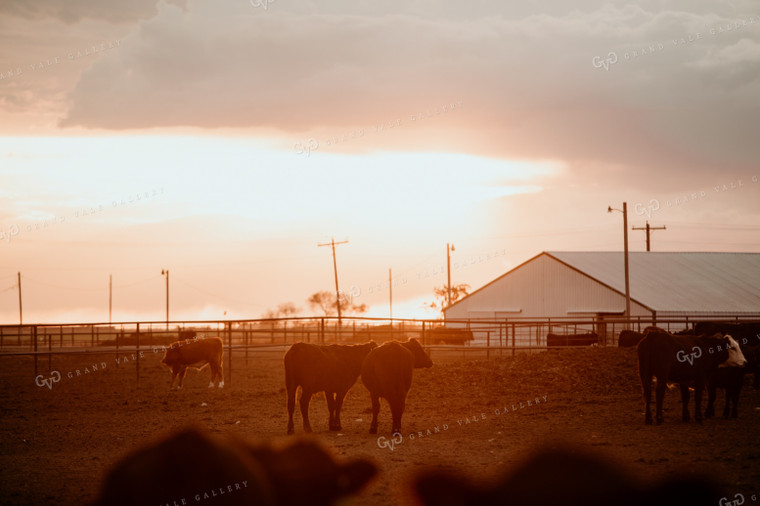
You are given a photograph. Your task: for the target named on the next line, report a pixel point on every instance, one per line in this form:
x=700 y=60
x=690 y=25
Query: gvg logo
x=600 y=62
x=689 y=357
x=12 y=231
x=397 y=439
x=654 y=205
x=55 y=377
x=262 y=3
x=307 y=147
x=347 y=298
x=738 y=500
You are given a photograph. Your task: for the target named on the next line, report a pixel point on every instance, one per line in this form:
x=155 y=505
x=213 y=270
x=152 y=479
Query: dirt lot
x=56 y=444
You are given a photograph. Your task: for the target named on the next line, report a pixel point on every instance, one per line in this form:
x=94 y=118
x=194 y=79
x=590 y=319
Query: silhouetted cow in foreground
x=387 y=373
x=182 y=354
x=686 y=360
x=567 y=477
x=332 y=369
x=192 y=467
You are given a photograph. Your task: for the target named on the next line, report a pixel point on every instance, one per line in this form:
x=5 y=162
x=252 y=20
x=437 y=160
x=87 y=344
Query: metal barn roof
x=677 y=282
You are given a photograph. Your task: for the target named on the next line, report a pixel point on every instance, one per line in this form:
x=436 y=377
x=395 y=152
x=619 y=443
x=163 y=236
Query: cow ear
x=354 y=475
x=445 y=490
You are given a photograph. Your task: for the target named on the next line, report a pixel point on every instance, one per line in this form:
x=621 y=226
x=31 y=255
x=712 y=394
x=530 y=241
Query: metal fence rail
x=241 y=337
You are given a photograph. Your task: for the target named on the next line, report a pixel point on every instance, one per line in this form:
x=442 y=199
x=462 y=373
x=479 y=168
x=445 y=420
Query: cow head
x=171 y=356
x=421 y=359
x=735 y=355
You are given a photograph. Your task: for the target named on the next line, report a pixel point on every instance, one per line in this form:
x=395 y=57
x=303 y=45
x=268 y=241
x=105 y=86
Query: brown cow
x=331 y=369
x=565 y=476
x=686 y=360
x=192 y=466
x=387 y=373
x=182 y=354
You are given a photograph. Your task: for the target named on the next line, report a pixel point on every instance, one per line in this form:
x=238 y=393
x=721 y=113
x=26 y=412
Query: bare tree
x=284 y=310
x=327 y=303
x=441 y=295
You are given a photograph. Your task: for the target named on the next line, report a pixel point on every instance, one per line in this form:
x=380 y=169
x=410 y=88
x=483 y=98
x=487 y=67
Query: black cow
x=731 y=380
x=387 y=373
x=747 y=334
x=629 y=338
x=686 y=360
x=332 y=369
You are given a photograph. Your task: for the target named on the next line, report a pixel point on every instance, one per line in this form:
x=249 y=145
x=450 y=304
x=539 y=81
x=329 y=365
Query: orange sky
x=257 y=134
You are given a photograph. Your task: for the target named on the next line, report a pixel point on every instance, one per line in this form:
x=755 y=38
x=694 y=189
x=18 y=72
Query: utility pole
x=166 y=272
x=110 y=296
x=20 y=313
x=448 y=273
x=390 y=289
x=648 y=229
x=335 y=268
x=625 y=249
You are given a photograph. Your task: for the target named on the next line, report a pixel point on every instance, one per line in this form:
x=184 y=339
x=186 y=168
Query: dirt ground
x=56 y=444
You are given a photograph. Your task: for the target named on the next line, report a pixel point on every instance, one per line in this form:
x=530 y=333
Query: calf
x=193 y=466
x=567 y=477
x=387 y=373
x=686 y=360
x=182 y=354
x=330 y=369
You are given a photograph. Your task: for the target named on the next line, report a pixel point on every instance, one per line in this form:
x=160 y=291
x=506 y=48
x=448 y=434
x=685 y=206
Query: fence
x=474 y=337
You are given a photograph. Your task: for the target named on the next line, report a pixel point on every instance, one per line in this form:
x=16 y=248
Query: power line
x=648 y=230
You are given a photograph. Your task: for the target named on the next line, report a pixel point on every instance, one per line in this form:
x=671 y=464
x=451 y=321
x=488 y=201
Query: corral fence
x=474 y=338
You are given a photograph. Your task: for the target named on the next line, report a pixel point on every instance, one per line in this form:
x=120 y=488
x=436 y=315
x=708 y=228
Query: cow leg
x=212 y=368
x=216 y=374
x=659 y=397
x=330 y=397
x=710 y=411
x=727 y=407
x=291 y=406
x=685 y=402
x=171 y=385
x=646 y=385
x=305 y=399
x=339 y=396
x=698 y=390
x=182 y=377
x=375 y=412
x=734 y=396
x=220 y=372
x=397 y=410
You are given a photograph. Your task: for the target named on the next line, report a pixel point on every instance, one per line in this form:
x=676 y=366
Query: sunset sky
x=225 y=140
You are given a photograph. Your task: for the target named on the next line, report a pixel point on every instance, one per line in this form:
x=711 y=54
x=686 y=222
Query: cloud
x=74 y=11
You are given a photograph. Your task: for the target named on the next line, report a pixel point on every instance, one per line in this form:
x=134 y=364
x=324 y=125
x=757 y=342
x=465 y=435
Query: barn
x=581 y=284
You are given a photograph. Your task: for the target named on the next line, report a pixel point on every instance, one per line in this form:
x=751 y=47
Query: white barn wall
x=542 y=287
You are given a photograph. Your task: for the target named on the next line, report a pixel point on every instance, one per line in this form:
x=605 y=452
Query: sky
x=224 y=141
